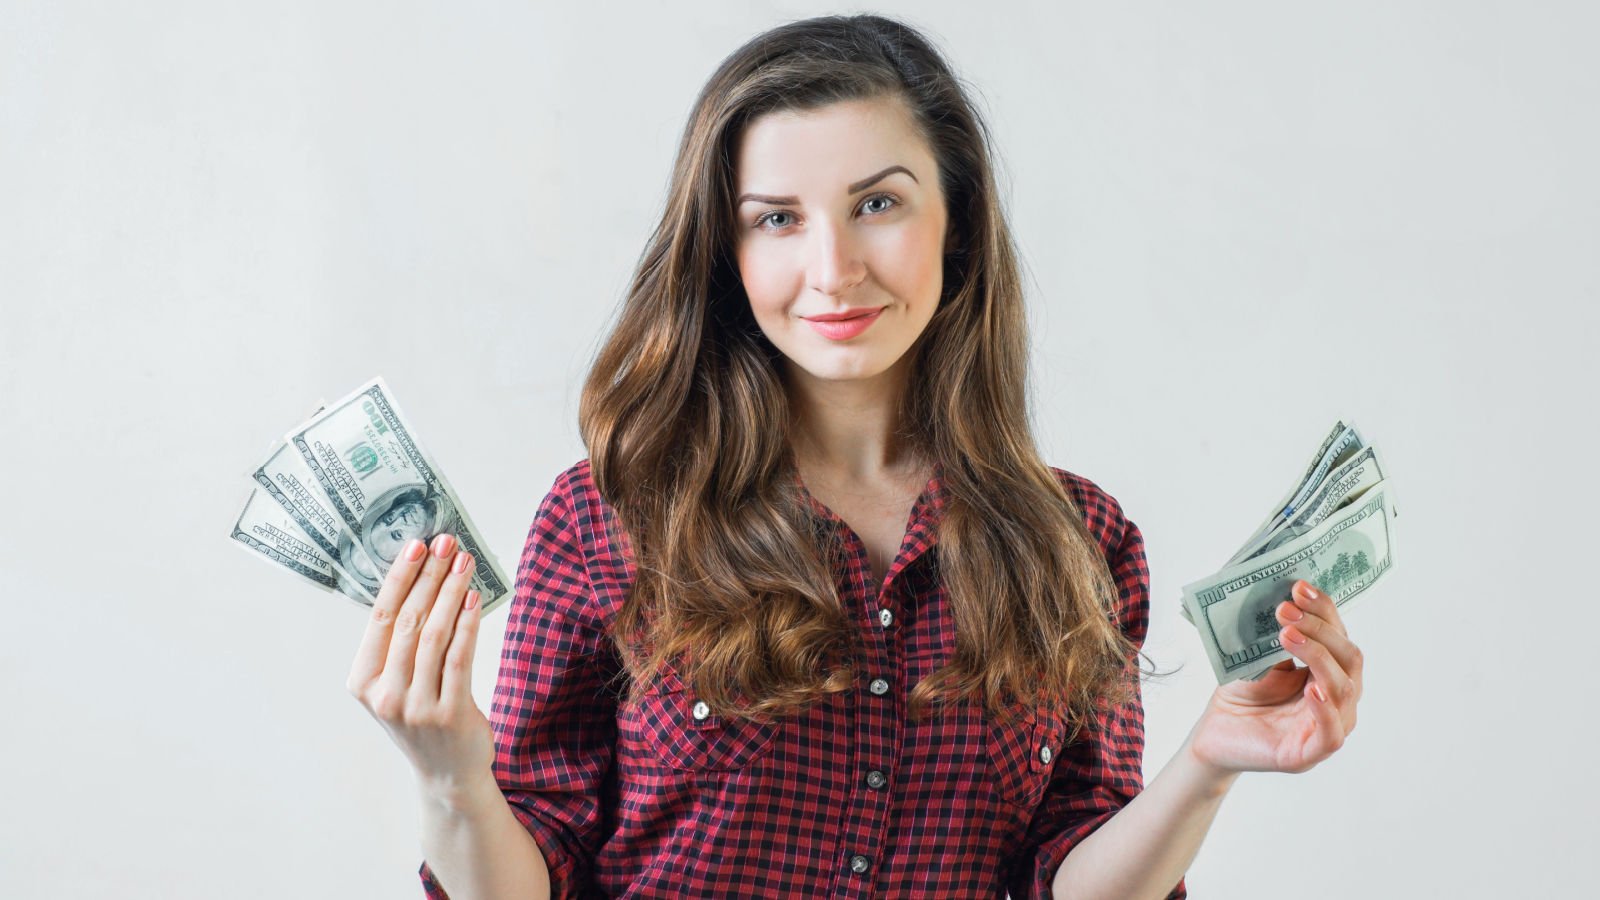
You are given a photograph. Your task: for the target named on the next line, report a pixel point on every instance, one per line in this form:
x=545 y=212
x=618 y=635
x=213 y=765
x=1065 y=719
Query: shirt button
x=876 y=780
x=1044 y=755
x=859 y=864
x=701 y=710
x=886 y=617
x=879 y=686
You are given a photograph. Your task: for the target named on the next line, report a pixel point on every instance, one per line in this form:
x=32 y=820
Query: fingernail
x=414 y=550
x=460 y=565
x=1292 y=612
x=442 y=545
x=1307 y=593
x=1294 y=635
x=1317 y=689
x=472 y=599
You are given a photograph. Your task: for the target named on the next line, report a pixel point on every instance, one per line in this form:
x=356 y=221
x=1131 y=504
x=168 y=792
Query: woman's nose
x=836 y=262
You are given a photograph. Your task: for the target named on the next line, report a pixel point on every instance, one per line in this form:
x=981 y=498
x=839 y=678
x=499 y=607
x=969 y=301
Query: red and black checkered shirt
x=849 y=799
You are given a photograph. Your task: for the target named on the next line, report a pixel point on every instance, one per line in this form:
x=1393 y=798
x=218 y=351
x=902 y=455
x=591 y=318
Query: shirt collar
x=922 y=534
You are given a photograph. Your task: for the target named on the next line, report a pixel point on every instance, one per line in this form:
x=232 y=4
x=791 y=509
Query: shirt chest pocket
x=683 y=733
x=1022 y=753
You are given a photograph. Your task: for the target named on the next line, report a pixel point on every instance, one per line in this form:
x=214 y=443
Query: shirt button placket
x=881 y=743
x=866 y=824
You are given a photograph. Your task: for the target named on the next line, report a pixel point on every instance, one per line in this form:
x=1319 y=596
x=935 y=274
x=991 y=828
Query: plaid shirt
x=849 y=799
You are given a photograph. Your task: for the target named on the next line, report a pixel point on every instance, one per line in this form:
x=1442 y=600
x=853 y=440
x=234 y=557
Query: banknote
x=287 y=480
x=1343 y=556
x=1352 y=478
x=269 y=532
x=383 y=488
x=1341 y=443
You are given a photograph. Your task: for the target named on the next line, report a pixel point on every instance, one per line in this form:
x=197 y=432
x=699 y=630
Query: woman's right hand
x=413 y=669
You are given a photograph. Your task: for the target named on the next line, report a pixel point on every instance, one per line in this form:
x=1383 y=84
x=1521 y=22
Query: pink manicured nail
x=442 y=545
x=1317 y=689
x=414 y=550
x=472 y=599
x=460 y=565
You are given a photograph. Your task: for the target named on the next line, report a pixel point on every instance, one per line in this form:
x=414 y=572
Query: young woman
x=813 y=618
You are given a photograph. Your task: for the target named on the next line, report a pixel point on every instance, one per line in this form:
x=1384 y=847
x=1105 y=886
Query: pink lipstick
x=842 y=329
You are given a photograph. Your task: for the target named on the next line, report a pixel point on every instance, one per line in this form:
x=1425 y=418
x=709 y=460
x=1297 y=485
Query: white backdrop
x=1240 y=221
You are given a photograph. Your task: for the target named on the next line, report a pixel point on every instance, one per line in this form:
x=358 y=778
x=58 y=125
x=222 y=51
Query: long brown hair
x=687 y=425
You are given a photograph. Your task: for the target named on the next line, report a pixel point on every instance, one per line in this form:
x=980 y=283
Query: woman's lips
x=844 y=329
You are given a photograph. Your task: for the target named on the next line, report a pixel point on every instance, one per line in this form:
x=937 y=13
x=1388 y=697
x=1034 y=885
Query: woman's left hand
x=1294 y=717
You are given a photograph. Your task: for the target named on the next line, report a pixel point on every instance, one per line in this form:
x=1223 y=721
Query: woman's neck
x=847 y=430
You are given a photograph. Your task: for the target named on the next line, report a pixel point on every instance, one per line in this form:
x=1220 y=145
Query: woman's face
x=824 y=233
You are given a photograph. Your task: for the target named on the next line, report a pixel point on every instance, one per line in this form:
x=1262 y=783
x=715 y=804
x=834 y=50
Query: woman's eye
x=879 y=197
x=894 y=201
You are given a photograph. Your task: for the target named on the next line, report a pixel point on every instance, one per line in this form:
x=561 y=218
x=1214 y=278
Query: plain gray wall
x=1240 y=221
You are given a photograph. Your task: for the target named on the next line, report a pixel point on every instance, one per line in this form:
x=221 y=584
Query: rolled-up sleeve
x=1101 y=771
x=553 y=715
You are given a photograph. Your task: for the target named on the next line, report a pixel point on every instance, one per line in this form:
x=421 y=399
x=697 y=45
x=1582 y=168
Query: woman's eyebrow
x=856 y=188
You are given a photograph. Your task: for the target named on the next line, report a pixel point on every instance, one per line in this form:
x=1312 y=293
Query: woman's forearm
x=477 y=849
x=1146 y=847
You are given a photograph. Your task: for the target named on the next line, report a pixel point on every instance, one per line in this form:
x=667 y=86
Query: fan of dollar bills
x=1335 y=530
x=344 y=491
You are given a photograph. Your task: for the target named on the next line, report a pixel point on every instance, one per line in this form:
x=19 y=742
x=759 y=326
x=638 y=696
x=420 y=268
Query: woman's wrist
x=458 y=798
x=1208 y=778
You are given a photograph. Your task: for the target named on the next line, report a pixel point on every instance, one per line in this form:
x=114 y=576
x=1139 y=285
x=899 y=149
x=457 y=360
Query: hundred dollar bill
x=1350 y=480
x=385 y=488
x=287 y=479
x=1342 y=486
x=1345 y=555
x=1340 y=444
x=266 y=530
